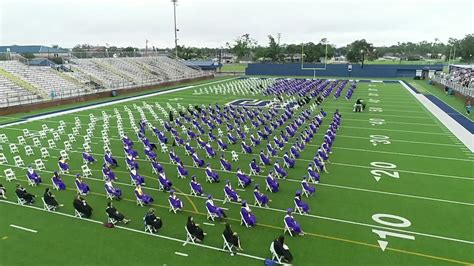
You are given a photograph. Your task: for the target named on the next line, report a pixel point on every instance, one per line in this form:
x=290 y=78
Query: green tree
x=359 y=49
x=242 y=46
x=273 y=49
x=466 y=46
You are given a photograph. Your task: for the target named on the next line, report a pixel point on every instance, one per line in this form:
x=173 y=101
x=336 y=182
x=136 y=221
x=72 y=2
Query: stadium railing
x=466 y=91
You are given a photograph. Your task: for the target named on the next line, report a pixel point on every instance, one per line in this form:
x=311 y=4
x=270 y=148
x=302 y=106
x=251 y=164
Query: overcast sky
x=212 y=23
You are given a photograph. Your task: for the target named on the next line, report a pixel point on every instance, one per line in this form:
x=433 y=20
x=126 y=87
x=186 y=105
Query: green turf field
x=237 y=67
x=397 y=178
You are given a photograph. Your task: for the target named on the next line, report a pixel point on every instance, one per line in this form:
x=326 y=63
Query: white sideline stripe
x=132 y=230
x=392 y=122
x=459 y=131
x=209 y=224
x=405 y=131
x=181 y=254
x=399 y=140
x=23 y=228
x=108 y=103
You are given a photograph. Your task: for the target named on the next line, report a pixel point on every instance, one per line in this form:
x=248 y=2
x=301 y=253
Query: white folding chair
x=298 y=209
x=64 y=154
x=21 y=140
x=211 y=215
x=172 y=208
x=87 y=147
x=75 y=131
x=61 y=130
x=21 y=201
x=86 y=172
x=39 y=164
x=13 y=148
x=164 y=148
x=257 y=202
x=71 y=138
x=51 y=144
x=44 y=153
x=9 y=174
x=189 y=238
x=48 y=207
x=287 y=228
x=192 y=191
x=235 y=156
x=242 y=220
x=78 y=214
x=139 y=201
x=42 y=134
x=67 y=146
x=3 y=138
x=56 y=187
x=37 y=142
x=18 y=161
x=3 y=159
x=56 y=136
x=111 y=220
x=29 y=151
x=274 y=254
x=227 y=246
x=44 y=127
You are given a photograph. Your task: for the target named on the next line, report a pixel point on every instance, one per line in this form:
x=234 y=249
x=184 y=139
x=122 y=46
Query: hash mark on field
x=208 y=224
x=23 y=228
x=181 y=254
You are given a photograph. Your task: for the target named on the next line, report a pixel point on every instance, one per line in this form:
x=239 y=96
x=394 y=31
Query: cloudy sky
x=212 y=23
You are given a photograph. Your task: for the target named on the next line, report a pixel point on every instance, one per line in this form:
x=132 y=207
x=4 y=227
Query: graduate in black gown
x=194 y=229
x=232 y=237
x=23 y=194
x=82 y=206
x=282 y=250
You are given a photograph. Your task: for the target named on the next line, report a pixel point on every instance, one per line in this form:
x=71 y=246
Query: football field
x=399 y=190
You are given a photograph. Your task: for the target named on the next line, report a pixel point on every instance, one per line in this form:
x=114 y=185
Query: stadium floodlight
x=323 y=41
x=175 y=29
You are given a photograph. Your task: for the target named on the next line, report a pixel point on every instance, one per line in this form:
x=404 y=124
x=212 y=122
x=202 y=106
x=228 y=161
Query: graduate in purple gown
x=107 y=172
x=231 y=138
x=132 y=164
x=58 y=182
x=271 y=150
x=182 y=171
x=127 y=141
x=300 y=203
x=243 y=178
x=264 y=159
x=323 y=155
x=214 y=176
x=294 y=152
x=108 y=158
x=247 y=214
x=137 y=178
x=156 y=166
x=210 y=151
x=130 y=151
x=189 y=149
x=312 y=175
x=33 y=176
x=174 y=158
x=175 y=201
x=87 y=157
x=290 y=163
x=222 y=144
x=293 y=225
x=272 y=183
x=164 y=181
x=279 y=170
x=225 y=165
x=230 y=192
x=212 y=208
x=81 y=186
x=195 y=186
x=115 y=192
x=198 y=161
x=63 y=165
x=146 y=199
x=150 y=154
x=254 y=168
x=319 y=165
x=260 y=197
x=246 y=148
x=309 y=189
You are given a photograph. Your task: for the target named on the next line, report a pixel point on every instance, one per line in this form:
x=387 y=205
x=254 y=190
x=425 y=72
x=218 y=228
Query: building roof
x=203 y=64
x=35 y=49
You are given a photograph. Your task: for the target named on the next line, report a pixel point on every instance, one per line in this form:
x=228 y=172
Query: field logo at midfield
x=251 y=103
x=260 y=103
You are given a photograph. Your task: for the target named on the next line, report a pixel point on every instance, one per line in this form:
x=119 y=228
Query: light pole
x=175 y=29
x=363 y=54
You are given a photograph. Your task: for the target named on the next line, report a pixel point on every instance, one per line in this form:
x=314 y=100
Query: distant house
x=36 y=50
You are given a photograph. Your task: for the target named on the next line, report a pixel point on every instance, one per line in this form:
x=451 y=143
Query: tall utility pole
x=146 y=48
x=278 y=38
x=175 y=29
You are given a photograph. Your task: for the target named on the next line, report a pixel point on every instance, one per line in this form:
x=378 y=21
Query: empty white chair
x=21 y=140
x=51 y=144
x=86 y=172
x=42 y=134
x=61 y=130
x=39 y=164
x=75 y=131
x=3 y=138
x=87 y=139
x=13 y=148
x=67 y=146
x=37 y=142
x=64 y=154
x=71 y=138
x=3 y=159
x=18 y=161
x=29 y=151
x=235 y=156
x=164 y=148
x=56 y=136
x=9 y=174
x=44 y=127
x=87 y=147
x=44 y=153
